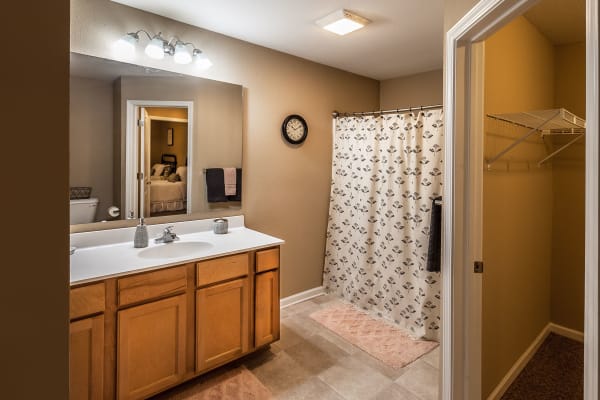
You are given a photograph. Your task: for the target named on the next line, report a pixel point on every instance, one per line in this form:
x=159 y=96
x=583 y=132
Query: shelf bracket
x=549 y=156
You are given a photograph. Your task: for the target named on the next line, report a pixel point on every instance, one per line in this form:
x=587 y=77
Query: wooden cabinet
x=86 y=342
x=266 y=297
x=137 y=335
x=151 y=285
x=86 y=358
x=222 y=323
x=267 y=260
x=151 y=347
x=87 y=300
x=266 y=308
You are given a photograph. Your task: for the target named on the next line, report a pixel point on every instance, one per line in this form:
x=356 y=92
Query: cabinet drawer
x=151 y=285
x=221 y=269
x=87 y=300
x=267 y=260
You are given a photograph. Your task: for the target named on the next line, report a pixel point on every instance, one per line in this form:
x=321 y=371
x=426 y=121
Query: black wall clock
x=294 y=129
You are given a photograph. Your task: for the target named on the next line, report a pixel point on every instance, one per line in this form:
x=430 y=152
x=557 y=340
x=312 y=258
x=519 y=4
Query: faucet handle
x=169 y=229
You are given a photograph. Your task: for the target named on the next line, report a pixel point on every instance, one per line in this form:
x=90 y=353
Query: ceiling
x=405 y=36
x=561 y=21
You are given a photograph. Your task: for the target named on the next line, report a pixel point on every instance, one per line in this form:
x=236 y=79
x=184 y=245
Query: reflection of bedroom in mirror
x=107 y=149
x=165 y=161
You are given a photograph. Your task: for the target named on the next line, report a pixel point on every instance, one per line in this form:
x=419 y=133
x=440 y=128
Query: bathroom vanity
x=145 y=320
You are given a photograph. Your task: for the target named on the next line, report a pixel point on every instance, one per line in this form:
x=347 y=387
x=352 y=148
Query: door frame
x=461 y=319
x=132 y=143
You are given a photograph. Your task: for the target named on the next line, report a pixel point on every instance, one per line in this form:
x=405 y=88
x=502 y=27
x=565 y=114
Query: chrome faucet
x=168 y=236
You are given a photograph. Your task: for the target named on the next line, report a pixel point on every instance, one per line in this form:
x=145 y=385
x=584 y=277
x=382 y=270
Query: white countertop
x=103 y=254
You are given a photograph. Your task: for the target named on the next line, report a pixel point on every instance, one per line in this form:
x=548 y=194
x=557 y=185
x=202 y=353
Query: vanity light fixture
x=342 y=22
x=158 y=47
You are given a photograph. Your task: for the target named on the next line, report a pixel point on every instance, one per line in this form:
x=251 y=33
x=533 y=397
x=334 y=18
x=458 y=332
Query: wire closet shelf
x=545 y=122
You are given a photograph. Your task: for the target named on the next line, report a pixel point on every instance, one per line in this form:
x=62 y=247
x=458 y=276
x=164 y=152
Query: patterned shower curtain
x=386 y=171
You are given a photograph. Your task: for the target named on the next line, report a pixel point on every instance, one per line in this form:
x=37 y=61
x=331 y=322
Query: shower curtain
x=386 y=171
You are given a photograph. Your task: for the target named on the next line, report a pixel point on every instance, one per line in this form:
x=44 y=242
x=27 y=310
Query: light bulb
x=156 y=48
x=124 y=48
x=182 y=54
x=201 y=60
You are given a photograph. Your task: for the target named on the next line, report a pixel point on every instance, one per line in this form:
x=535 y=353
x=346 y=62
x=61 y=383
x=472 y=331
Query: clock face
x=294 y=129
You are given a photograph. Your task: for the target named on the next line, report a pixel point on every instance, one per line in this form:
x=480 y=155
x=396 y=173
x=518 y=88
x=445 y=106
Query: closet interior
x=533 y=204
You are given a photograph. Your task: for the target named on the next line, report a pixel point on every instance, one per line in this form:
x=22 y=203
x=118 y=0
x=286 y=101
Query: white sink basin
x=173 y=250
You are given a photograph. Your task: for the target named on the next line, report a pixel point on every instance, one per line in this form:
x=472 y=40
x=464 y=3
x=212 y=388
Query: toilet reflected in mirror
x=82 y=211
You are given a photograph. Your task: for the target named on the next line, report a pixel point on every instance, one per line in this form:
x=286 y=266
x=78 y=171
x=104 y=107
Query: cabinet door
x=86 y=358
x=222 y=319
x=151 y=347
x=266 y=308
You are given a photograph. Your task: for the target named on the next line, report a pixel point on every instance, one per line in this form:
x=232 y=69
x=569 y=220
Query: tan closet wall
x=517 y=229
x=568 y=213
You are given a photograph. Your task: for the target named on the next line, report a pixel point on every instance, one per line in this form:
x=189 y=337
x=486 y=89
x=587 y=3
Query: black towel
x=238 y=186
x=434 y=252
x=215 y=185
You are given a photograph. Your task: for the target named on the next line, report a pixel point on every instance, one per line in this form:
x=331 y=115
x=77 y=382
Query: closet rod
x=336 y=114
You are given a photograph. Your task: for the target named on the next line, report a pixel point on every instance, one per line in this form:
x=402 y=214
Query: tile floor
x=311 y=362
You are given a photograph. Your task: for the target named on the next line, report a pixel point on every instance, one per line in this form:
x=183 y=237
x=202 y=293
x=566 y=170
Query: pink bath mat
x=379 y=338
x=235 y=384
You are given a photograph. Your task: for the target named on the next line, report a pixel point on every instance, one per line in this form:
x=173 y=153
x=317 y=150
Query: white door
x=145 y=135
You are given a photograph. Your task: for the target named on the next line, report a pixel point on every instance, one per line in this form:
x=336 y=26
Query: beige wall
x=454 y=10
x=568 y=242
x=286 y=188
x=517 y=198
x=91 y=139
x=412 y=91
x=35 y=109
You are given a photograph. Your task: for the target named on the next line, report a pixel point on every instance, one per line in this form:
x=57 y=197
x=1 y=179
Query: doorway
x=165 y=161
x=533 y=188
x=463 y=224
x=159 y=141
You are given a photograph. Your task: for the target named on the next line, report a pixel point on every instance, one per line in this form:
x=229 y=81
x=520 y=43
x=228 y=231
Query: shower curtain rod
x=336 y=114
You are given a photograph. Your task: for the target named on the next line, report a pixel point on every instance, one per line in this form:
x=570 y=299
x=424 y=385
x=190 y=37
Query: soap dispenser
x=141 y=235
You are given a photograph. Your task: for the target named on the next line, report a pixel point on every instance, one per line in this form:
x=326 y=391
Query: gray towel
x=434 y=252
x=215 y=186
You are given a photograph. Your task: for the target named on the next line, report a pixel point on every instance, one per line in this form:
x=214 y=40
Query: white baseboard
x=302 y=296
x=566 y=332
x=518 y=366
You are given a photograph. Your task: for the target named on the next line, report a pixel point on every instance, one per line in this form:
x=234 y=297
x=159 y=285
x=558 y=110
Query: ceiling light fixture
x=201 y=60
x=158 y=47
x=342 y=22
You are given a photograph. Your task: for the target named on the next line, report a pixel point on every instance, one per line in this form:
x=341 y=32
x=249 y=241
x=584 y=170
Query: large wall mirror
x=151 y=143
